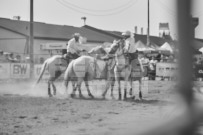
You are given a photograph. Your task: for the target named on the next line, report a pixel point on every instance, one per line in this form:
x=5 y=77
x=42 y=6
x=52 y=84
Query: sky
x=117 y=15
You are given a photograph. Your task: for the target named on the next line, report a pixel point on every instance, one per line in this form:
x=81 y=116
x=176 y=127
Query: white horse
x=124 y=69
x=56 y=65
x=85 y=68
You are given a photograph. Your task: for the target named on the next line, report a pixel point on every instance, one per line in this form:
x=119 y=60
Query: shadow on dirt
x=143 y=101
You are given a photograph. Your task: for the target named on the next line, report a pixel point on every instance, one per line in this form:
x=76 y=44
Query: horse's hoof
x=113 y=97
x=90 y=95
x=140 y=95
x=72 y=95
x=132 y=98
x=103 y=97
x=131 y=92
x=50 y=95
x=124 y=99
x=119 y=97
x=81 y=96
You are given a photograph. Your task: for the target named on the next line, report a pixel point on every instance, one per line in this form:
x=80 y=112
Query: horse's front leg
x=112 y=86
x=49 y=88
x=132 y=92
x=108 y=83
x=74 y=89
x=125 y=88
x=140 y=88
x=131 y=86
x=80 y=80
x=88 y=90
x=118 y=77
x=66 y=81
x=54 y=88
x=119 y=88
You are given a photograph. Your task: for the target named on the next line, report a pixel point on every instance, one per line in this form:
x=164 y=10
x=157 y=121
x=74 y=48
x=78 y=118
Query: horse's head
x=99 y=51
x=120 y=53
x=115 y=46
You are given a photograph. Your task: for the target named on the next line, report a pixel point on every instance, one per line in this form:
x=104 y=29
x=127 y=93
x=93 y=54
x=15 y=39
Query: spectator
x=158 y=57
x=41 y=60
x=18 y=58
x=11 y=58
x=152 y=69
x=6 y=57
x=170 y=59
x=162 y=58
x=144 y=60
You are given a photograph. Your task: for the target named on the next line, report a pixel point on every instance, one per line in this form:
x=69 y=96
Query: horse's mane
x=102 y=50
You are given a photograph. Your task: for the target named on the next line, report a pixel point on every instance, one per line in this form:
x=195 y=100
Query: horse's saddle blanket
x=136 y=69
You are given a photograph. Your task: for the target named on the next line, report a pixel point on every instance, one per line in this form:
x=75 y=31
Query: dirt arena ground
x=25 y=109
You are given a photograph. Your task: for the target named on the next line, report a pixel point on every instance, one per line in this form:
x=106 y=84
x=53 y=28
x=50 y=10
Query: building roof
x=60 y=32
x=153 y=39
x=64 y=32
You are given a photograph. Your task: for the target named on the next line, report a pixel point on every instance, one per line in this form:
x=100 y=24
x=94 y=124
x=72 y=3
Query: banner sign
x=4 y=70
x=166 y=69
x=20 y=70
x=37 y=70
x=53 y=46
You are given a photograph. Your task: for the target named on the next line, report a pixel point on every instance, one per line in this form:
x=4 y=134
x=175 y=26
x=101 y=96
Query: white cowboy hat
x=115 y=41
x=126 y=33
x=76 y=35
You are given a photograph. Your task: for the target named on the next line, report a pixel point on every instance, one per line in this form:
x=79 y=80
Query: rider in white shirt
x=73 y=47
x=130 y=48
x=129 y=42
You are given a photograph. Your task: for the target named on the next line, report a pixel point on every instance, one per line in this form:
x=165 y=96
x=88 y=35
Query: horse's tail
x=42 y=72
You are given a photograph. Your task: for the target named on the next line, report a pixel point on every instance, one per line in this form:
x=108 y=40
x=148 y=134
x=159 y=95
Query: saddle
x=69 y=57
x=132 y=56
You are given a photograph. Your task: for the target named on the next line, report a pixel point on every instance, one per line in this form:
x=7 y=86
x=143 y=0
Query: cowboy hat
x=76 y=35
x=126 y=33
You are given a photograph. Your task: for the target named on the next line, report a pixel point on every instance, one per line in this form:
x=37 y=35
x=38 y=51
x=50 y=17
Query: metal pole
x=185 y=47
x=148 y=26
x=31 y=40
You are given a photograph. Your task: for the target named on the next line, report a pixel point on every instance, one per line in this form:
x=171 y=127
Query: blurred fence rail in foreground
x=187 y=123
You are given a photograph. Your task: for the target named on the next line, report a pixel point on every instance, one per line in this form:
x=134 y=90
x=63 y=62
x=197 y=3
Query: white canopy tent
x=140 y=46
x=201 y=50
x=166 y=47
